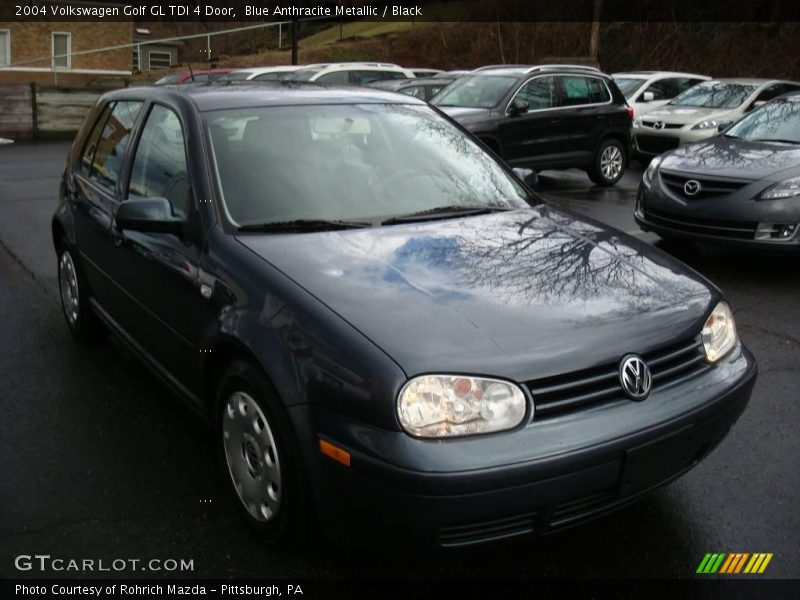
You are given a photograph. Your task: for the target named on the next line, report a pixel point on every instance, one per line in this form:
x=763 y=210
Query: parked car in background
x=546 y=117
x=424 y=89
x=742 y=187
x=426 y=72
x=271 y=73
x=389 y=335
x=647 y=90
x=699 y=112
x=350 y=73
x=195 y=76
x=455 y=73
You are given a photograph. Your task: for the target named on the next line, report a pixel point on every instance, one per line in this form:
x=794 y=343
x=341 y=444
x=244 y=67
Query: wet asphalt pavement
x=98 y=460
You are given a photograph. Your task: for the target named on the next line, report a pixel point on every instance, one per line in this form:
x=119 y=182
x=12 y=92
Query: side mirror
x=647 y=97
x=152 y=215
x=518 y=107
x=529 y=176
x=723 y=126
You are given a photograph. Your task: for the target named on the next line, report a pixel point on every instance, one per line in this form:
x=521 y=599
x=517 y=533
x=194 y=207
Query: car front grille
x=709 y=187
x=652 y=125
x=579 y=389
x=656 y=144
x=740 y=230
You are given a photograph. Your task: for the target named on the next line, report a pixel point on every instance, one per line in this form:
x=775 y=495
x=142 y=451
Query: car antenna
x=191 y=72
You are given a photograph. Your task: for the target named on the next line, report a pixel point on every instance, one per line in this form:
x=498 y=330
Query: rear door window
x=87 y=156
x=111 y=145
x=335 y=77
x=365 y=77
x=577 y=90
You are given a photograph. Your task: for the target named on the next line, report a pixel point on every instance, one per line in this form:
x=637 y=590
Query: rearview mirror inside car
x=153 y=215
x=529 y=176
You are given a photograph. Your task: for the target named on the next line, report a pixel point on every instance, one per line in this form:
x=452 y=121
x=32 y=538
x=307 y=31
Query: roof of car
x=393 y=84
x=268 y=69
x=520 y=70
x=650 y=74
x=230 y=95
x=749 y=80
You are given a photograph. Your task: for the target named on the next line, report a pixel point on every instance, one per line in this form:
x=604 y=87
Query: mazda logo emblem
x=691 y=187
x=634 y=375
x=659 y=124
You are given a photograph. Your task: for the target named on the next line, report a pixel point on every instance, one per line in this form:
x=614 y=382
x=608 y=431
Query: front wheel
x=609 y=163
x=258 y=455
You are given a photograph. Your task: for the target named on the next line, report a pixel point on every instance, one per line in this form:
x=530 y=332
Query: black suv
x=546 y=117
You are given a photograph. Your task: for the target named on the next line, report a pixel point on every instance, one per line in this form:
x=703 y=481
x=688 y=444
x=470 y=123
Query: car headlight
x=437 y=406
x=650 y=171
x=719 y=332
x=784 y=189
x=712 y=124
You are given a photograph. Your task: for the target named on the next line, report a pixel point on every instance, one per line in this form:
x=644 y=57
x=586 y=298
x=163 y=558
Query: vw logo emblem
x=691 y=187
x=634 y=375
x=659 y=125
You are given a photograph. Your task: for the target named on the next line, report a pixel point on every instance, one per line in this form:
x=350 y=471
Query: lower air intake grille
x=485 y=531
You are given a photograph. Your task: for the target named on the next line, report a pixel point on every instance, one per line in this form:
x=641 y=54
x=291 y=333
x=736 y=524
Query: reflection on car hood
x=687 y=114
x=739 y=159
x=517 y=294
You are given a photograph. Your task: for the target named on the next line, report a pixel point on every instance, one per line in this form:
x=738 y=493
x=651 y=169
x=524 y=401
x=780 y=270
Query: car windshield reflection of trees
x=539 y=256
x=714 y=95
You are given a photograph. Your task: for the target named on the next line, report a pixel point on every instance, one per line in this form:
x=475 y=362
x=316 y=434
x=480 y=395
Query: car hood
x=466 y=115
x=738 y=159
x=688 y=114
x=519 y=294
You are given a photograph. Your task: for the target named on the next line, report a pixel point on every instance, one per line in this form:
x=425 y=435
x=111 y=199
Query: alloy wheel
x=611 y=162
x=68 y=283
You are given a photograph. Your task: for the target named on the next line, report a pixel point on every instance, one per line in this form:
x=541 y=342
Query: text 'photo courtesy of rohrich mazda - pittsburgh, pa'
x=348 y=296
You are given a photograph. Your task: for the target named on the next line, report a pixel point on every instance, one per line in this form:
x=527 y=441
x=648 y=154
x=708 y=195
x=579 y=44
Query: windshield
x=169 y=79
x=302 y=74
x=628 y=85
x=478 y=91
x=350 y=163
x=715 y=94
x=778 y=121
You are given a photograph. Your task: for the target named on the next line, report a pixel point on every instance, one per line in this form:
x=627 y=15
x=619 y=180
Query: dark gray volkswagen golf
x=741 y=187
x=388 y=333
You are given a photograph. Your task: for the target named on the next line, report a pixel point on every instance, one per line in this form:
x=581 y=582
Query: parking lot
x=100 y=461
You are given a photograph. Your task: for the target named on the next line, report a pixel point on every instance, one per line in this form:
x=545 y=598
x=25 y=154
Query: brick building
x=42 y=52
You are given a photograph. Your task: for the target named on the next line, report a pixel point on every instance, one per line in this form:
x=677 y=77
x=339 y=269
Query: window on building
x=62 y=47
x=160 y=60
x=5 y=47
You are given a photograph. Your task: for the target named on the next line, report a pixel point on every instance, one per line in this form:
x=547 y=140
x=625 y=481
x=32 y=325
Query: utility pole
x=594 y=40
x=294 y=41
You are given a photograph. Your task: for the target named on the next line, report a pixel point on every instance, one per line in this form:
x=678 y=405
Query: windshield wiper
x=304 y=225
x=443 y=212
x=780 y=141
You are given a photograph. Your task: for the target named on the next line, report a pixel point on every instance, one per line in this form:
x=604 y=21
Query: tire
x=259 y=456
x=609 y=163
x=74 y=293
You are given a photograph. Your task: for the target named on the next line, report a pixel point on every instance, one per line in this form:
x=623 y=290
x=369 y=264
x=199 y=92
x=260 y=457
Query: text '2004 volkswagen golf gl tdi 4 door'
x=383 y=326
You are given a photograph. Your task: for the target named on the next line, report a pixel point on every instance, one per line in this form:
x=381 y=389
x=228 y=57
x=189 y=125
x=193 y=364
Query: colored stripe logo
x=734 y=563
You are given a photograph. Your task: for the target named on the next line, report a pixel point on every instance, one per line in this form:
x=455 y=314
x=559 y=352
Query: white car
x=272 y=73
x=647 y=90
x=702 y=112
x=351 y=73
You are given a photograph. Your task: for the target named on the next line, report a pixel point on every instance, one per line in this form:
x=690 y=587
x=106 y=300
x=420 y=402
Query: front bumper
x=652 y=142
x=734 y=220
x=468 y=491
